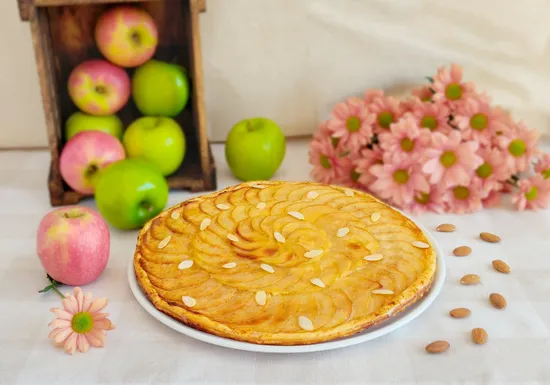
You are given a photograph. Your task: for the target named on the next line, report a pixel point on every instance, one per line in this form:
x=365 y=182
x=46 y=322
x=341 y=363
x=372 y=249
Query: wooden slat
x=50 y=3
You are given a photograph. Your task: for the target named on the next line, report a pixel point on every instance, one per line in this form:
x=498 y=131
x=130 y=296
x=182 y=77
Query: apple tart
x=283 y=263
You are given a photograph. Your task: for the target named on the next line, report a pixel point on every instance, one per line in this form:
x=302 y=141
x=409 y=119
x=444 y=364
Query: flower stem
x=52 y=286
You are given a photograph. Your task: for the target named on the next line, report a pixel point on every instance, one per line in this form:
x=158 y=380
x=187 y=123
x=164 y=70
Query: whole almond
x=437 y=347
x=479 y=335
x=460 y=312
x=497 y=300
x=488 y=237
x=446 y=228
x=462 y=251
x=501 y=266
x=470 y=279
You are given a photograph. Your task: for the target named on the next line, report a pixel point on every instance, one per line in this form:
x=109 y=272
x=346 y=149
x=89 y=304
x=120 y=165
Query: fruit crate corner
x=62 y=34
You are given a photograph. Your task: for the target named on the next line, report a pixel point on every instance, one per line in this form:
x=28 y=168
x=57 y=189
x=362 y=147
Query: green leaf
x=46 y=289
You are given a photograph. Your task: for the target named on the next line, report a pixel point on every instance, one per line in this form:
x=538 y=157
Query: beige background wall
x=291 y=60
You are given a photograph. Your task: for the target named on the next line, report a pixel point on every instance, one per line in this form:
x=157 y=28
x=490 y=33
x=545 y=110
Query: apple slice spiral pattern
x=308 y=265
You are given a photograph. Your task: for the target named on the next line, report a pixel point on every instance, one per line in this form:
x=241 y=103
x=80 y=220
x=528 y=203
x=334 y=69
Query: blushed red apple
x=73 y=244
x=126 y=35
x=85 y=155
x=98 y=87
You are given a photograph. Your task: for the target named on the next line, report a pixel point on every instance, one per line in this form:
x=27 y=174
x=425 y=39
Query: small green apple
x=160 y=140
x=130 y=192
x=255 y=149
x=160 y=88
x=80 y=121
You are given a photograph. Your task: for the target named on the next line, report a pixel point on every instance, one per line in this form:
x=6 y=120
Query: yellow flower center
x=422 y=198
x=532 y=193
x=484 y=171
x=453 y=91
x=461 y=192
x=407 y=145
x=479 y=122
x=401 y=176
x=82 y=322
x=448 y=159
x=334 y=141
x=429 y=122
x=385 y=119
x=323 y=159
x=546 y=173
x=517 y=147
x=353 y=124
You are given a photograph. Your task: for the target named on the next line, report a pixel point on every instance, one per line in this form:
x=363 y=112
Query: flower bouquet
x=445 y=148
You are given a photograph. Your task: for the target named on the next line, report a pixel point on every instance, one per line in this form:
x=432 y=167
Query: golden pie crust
x=283 y=263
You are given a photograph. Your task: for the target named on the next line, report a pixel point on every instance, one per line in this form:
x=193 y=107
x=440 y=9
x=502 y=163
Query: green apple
x=79 y=121
x=254 y=149
x=160 y=88
x=160 y=140
x=130 y=192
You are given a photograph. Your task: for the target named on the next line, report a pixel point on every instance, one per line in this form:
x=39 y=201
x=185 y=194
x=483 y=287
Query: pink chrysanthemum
x=493 y=199
x=347 y=173
x=431 y=201
x=387 y=110
x=372 y=94
x=405 y=139
x=519 y=146
x=493 y=171
x=365 y=161
x=463 y=199
x=80 y=323
x=399 y=182
x=533 y=194
x=423 y=93
x=449 y=87
x=352 y=124
x=432 y=116
x=324 y=159
x=451 y=161
x=479 y=121
x=543 y=166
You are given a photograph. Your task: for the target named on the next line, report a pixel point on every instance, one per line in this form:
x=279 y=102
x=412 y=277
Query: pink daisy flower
x=352 y=124
x=365 y=161
x=387 y=110
x=449 y=87
x=405 y=139
x=479 y=121
x=519 y=146
x=324 y=159
x=372 y=94
x=463 y=199
x=433 y=116
x=451 y=161
x=348 y=174
x=534 y=194
x=423 y=93
x=398 y=182
x=492 y=200
x=543 y=166
x=80 y=322
x=493 y=170
x=431 y=201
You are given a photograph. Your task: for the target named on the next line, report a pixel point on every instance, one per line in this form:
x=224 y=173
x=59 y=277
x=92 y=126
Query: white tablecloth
x=141 y=350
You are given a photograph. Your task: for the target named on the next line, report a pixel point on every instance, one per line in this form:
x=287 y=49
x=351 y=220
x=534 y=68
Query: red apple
x=73 y=244
x=98 y=87
x=126 y=35
x=85 y=155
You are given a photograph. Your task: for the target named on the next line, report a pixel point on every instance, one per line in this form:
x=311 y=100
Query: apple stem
x=249 y=126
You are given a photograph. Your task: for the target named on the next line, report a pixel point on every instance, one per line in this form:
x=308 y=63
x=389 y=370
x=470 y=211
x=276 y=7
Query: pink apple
x=126 y=35
x=85 y=155
x=98 y=87
x=73 y=244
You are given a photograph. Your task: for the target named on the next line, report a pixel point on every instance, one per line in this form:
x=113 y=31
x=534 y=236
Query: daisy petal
x=82 y=343
x=70 y=304
x=98 y=305
x=62 y=314
x=63 y=334
x=60 y=323
x=87 y=302
x=70 y=343
x=96 y=338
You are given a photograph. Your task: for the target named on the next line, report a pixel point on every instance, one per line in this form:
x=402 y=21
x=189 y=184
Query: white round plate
x=394 y=323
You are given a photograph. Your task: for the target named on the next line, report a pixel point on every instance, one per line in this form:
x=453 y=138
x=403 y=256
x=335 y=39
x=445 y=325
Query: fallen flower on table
x=80 y=323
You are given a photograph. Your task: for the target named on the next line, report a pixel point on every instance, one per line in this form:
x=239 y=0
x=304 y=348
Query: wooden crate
x=62 y=33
